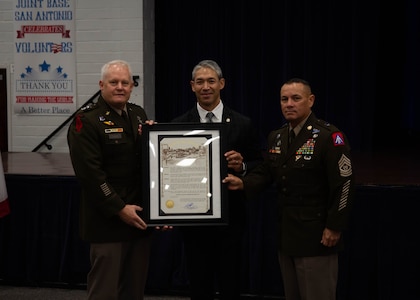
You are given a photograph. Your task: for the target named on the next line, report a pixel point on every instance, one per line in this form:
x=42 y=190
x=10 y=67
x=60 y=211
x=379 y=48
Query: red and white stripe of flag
x=56 y=48
x=4 y=200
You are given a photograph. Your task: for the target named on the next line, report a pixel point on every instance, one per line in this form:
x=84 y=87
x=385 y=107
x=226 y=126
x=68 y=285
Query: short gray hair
x=120 y=62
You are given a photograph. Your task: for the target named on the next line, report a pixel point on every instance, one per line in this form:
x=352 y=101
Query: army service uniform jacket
x=314 y=182
x=106 y=155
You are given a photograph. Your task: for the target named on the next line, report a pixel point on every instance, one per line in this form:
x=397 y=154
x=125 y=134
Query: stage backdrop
x=362 y=61
x=45 y=58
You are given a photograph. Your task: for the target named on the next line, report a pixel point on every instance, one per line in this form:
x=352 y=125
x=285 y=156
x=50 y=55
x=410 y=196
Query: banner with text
x=44 y=57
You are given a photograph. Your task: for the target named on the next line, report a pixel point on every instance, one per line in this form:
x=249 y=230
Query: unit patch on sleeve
x=338 y=139
x=79 y=124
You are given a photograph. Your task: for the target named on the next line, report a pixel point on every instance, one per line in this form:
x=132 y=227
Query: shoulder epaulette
x=326 y=125
x=132 y=104
x=88 y=107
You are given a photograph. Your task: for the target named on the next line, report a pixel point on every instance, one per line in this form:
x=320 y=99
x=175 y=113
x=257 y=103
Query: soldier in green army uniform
x=309 y=161
x=105 y=149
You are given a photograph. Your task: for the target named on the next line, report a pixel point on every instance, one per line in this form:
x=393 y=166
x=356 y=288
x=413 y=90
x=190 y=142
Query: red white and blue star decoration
x=43 y=71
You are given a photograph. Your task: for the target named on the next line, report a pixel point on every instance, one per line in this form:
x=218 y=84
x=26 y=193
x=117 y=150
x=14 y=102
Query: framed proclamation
x=183 y=174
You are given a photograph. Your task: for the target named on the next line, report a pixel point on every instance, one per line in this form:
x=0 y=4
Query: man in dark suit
x=214 y=252
x=313 y=175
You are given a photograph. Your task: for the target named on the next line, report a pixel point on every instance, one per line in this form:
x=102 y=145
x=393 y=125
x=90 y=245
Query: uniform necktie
x=209 y=117
x=292 y=136
x=125 y=116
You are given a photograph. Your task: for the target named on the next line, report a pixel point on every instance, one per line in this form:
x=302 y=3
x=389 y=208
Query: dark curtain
x=362 y=60
x=39 y=240
x=360 y=57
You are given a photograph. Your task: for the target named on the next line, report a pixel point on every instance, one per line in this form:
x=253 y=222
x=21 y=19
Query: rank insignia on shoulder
x=89 y=106
x=338 y=139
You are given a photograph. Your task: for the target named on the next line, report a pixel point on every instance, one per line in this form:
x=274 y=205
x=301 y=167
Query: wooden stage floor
x=374 y=169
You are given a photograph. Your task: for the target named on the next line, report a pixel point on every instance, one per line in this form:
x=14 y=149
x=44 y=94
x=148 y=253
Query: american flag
x=4 y=201
x=56 y=48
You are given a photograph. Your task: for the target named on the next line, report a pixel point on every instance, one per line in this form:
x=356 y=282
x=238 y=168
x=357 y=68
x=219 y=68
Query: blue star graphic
x=28 y=69
x=59 y=69
x=44 y=66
